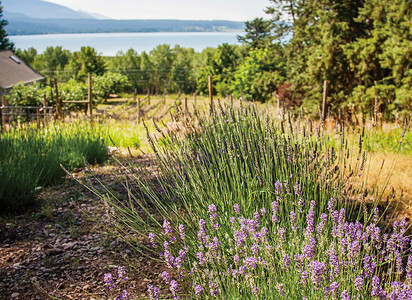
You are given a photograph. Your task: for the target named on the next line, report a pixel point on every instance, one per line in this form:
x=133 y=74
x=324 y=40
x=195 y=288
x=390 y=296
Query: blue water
x=108 y=44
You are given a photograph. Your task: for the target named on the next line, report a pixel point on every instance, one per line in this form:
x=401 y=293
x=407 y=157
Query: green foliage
x=361 y=47
x=127 y=64
x=258 y=33
x=29 y=95
x=36 y=157
x=4 y=40
x=258 y=77
x=109 y=83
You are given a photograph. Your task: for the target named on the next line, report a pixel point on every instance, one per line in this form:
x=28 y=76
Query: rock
x=15 y=295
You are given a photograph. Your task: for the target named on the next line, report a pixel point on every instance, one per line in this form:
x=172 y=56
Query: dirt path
x=60 y=250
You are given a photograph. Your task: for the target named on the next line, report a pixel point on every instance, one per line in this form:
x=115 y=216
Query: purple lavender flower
x=409 y=267
x=322 y=224
x=236 y=208
x=214 y=291
x=345 y=295
x=358 y=283
x=255 y=291
x=263 y=211
x=292 y=217
x=182 y=231
x=377 y=288
x=165 y=276
x=331 y=205
x=278 y=187
x=167 y=227
x=309 y=248
x=108 y=280
x=174 y=288
x=236 y=259
x=286 y=261
x=298 y=190
x=152 y=239
x=121 y=273
x=255 y=248
x=279 y=288
x=201 y=234
x=153 y=292
x=201 y=258
x=123 y=295
x=334 y=289
x=275 y=207
x=368 y=266
x=212 y=208
x=198 y=290
x=318 y=272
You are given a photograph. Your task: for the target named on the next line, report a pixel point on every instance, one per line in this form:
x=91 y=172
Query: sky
x=234 y=10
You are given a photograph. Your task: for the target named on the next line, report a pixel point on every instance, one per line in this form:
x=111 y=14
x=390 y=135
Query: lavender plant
x=334 y=259
x=309 y=228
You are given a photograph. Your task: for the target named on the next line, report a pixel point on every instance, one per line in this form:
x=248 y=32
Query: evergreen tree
x=4 y=40
x=258 y=33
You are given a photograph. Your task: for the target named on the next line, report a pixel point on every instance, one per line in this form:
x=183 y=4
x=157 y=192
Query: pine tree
x=4 y=41
x=258 y=33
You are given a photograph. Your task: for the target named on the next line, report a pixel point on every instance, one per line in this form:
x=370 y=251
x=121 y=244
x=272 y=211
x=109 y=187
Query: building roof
x=14 y=70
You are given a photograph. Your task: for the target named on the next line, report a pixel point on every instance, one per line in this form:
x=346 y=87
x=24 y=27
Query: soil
x=59 y=249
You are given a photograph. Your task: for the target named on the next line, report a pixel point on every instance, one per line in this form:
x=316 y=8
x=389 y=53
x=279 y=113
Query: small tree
x=109 y=83
x=4 y=40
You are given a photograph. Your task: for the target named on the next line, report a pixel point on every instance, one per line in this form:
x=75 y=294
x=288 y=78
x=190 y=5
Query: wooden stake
x=210 y=81
x=194 y=97
x=325 y=95
x=38 y=117
x=138 y=110
x=157 y=83
x=185 y=104
x=44 y=110
x=58 y=102
x=90 y=98
x=231 y=100
x=3 y=113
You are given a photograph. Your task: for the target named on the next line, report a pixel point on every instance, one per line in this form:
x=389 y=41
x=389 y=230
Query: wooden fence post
x=325 y=95
x=231 y=100
x=45 y=110
x=90 y=98
x=138 y=110
x=3 y=113
x=38 y=117
x=157 y=82
x=185 y=107
x=194 y=97
x=210 y=81
x=58 y=101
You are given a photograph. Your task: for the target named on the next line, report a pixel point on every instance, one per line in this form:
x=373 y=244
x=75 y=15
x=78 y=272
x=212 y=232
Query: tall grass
x=244 y=206
x=30 y=158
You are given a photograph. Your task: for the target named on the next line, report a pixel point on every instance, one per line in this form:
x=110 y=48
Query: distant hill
x=41 y=17
x=27 y=26
x=41 y=9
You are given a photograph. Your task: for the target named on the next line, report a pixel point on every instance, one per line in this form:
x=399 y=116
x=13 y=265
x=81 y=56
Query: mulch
x=60 y=249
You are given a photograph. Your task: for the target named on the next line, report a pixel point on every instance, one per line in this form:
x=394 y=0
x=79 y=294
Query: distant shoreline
x=33 y=26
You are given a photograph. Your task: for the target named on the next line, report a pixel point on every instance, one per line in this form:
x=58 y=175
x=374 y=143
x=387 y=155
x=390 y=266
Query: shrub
x=284 y=208
x=31 y=158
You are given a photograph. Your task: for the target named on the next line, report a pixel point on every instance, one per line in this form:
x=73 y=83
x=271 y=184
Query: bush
x=31 y=158
x=243 y=207
x=109 y=83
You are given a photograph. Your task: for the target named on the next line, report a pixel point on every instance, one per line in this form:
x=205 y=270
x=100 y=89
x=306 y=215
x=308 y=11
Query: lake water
x=108 y=44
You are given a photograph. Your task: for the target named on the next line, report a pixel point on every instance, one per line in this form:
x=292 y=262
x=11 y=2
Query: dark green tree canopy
x=4 y=40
